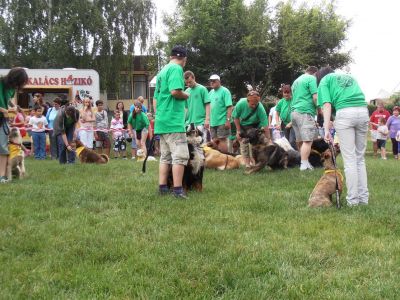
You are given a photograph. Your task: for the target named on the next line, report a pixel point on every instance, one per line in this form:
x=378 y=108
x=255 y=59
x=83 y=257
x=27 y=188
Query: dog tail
x=105 y=157
x=147 y=156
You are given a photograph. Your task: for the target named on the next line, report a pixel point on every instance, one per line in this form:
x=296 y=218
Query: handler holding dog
x=14 y=80
x=249 y=113
x=304 y=91
x=341 y=91
x=170 y=121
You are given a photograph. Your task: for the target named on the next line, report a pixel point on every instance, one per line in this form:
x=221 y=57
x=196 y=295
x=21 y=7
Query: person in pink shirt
x=117 y=129
x=380 y=112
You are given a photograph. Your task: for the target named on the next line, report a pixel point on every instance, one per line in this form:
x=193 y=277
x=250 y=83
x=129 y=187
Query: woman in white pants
x=87 y=120
x=342 y=92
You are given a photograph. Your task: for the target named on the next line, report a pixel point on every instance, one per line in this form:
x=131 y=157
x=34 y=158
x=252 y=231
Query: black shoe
x=180 y=196
x=164 y=192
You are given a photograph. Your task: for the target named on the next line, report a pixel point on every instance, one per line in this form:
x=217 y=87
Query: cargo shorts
x=304 y=127
x=174 y=149
x=220 y=132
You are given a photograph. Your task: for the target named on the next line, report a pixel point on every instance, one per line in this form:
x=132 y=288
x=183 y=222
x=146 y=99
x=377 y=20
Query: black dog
x=193 y=174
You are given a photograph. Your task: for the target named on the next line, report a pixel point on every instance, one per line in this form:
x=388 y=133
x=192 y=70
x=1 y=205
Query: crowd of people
x=304 y=111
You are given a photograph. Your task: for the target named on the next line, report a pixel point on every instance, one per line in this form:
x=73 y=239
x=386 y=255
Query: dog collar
x=79 y=150
x=336 y=172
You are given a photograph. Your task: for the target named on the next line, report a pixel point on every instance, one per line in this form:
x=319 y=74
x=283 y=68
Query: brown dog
x=220 y=161
x=88 y=156
x=321 y=196
x=16 y=161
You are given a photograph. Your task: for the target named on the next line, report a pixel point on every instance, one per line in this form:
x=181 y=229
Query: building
x=135 y=83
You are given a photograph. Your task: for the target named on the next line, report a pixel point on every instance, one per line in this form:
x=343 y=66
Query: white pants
x=351 y=125
x=86 y=138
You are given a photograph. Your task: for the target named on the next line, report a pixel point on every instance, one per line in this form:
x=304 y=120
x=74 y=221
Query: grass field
x=86 y=231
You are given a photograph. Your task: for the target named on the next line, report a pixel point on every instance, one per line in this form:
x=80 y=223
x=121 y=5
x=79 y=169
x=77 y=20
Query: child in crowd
x=39 y=123
x=382 y=135
x=117 y=128
x=101 y=135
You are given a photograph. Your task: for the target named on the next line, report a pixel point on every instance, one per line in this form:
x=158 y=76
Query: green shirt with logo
x=303 y=89
x=139 y=122
x=195 y=104
x=242 y=111
x=284 y=109
x=220 y=100
x=341 y=90
x=170 y=113
x=5 y=95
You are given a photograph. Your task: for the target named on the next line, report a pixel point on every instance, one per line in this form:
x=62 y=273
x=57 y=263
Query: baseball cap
x=214 y=77
x=179 y=51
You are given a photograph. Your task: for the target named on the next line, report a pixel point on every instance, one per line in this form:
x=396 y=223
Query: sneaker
x=304 y=168
x=151 y=158
x=124 y=158
x=164 y=192
x=384 y=158
x=180 y=196
x=133 y=157
x=4 y=179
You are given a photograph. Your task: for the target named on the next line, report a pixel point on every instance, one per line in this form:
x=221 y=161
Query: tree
x=255 y=43
x=99 y=34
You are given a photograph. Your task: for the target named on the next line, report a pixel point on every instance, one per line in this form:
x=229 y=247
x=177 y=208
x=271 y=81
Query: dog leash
x=332 y=149
x=147 y=154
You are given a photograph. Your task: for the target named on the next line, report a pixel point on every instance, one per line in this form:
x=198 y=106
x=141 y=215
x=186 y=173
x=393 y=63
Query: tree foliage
x=255 y=43
x=100 y=34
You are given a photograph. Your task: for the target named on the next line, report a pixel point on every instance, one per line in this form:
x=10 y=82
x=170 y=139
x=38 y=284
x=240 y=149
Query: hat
x=179 y=51
x=214 y=77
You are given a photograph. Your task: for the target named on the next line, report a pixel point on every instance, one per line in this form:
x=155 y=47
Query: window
x=139 y=88
x=125 y=87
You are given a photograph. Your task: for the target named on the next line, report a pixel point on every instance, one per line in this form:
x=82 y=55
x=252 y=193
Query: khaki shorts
x=174 y=149
x=220 y=132
x=4 y=139
x=245 y=149
x=304 y=127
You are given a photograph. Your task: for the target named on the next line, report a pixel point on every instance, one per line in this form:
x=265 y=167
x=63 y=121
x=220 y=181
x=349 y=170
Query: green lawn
x=87 y=231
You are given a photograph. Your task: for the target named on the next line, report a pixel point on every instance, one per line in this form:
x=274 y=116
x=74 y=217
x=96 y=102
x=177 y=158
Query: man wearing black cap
x=170 y=121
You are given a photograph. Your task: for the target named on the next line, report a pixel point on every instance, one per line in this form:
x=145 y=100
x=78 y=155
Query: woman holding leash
x=14 y=80
x=342 y=93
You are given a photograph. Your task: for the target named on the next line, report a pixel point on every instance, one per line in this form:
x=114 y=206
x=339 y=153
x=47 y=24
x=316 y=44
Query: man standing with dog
x=221 y=111
x=170 y=122
x=304 y=91
x=249 y=113
x=198 y=104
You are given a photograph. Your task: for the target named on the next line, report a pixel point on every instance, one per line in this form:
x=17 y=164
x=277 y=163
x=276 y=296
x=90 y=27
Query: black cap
x=179 y=51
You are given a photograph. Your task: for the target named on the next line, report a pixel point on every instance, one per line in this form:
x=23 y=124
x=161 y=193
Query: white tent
x=153 y=82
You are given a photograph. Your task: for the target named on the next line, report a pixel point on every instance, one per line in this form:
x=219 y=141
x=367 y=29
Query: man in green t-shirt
x=14 y=80
x=304 y=91
x=197 y=105
x=283 y=113
x=170 y=121
x=221 y=111
x=249 y=113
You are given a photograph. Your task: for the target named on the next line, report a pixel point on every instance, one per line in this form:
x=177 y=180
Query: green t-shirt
x=284 y=109
x=303 y=89
x=341 y=90
x=139 y=122
x=170 y=113
x=242 y=110
x=220 y=99
x=195 y=104
x=5 y=95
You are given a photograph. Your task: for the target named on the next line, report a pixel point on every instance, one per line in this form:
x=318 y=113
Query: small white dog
x=16 y=159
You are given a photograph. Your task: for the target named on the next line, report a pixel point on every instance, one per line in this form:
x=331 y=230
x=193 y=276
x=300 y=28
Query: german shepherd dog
x=266 y=153
x=88 y=156
x=16 y=159
x=321 y=196
x=194 y=170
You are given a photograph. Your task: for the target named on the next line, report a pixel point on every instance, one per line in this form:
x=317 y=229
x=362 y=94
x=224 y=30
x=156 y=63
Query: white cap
x=214 y=77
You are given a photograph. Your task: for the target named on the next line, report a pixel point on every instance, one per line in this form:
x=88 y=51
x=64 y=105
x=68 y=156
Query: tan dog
x=16 y=159
x=88 y=156
x=321 y=196
x=220 y=161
